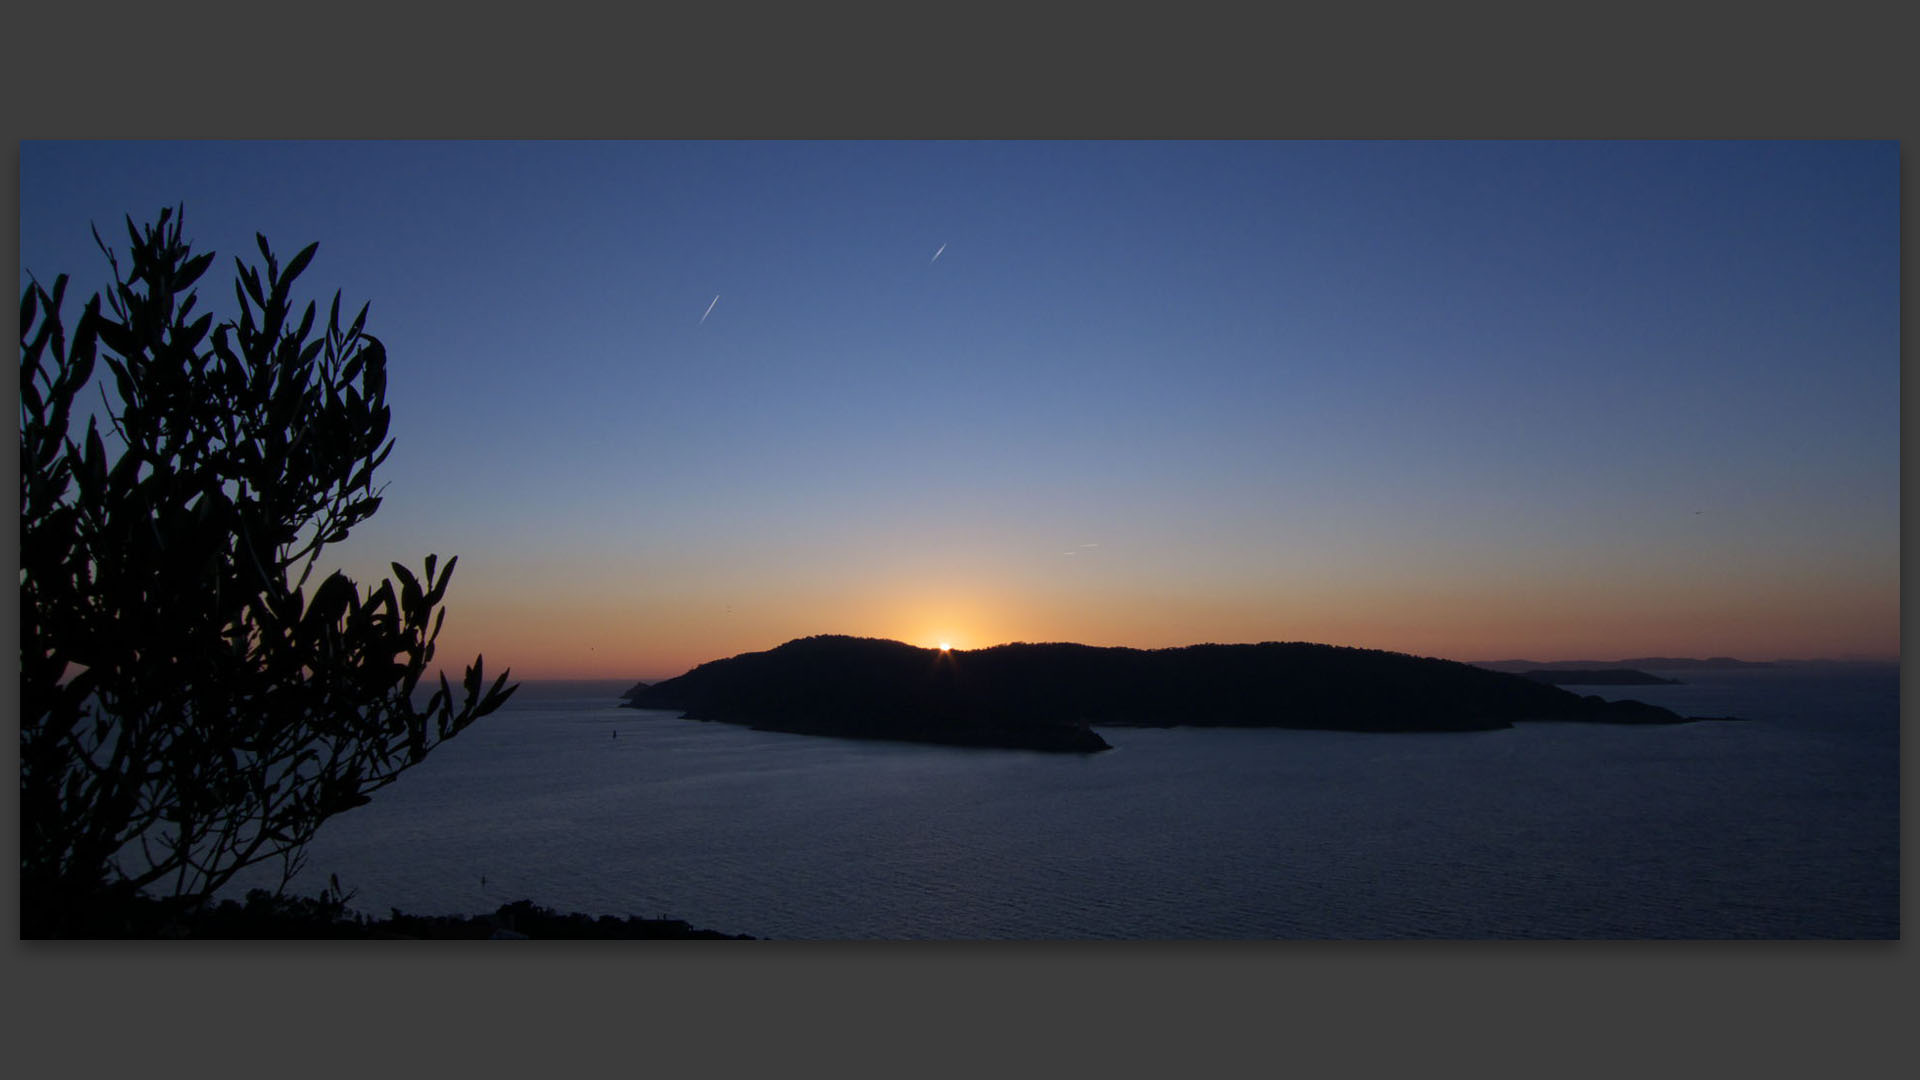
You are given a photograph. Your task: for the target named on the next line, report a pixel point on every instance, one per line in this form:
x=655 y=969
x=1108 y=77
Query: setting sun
x=1349 y=539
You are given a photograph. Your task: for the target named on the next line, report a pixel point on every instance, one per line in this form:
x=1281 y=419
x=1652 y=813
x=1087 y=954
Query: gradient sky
x=1462 y=399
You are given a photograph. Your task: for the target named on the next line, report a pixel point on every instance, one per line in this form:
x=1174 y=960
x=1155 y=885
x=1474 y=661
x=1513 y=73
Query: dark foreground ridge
x=123 y=914
x=1049 y=697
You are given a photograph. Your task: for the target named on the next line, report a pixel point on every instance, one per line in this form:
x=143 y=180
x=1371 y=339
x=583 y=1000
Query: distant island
x=1050 y=696
x=1596 y=677
x=1638 y=663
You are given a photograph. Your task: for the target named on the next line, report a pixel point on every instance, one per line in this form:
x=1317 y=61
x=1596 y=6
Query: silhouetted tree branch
x=187 y=708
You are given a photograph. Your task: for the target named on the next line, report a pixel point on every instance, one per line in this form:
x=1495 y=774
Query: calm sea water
x=1784 y=826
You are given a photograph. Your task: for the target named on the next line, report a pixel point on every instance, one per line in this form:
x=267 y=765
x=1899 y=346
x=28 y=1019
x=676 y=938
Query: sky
x=1476 y=400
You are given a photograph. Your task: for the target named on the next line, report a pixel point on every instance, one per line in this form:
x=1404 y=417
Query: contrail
x=709 y=311
x=936 y=255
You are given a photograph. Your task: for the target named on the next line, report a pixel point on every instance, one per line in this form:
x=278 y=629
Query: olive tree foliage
x=189 y=706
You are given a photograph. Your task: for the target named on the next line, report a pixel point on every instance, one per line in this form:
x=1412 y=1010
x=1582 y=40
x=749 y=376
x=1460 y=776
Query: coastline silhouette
x=1049 y=696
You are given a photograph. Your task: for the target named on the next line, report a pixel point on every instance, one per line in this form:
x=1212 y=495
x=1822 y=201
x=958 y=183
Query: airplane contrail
x=936 y=255
x=709 y=311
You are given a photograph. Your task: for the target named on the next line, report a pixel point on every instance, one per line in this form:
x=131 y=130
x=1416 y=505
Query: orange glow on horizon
x=659 y=629
x=652 y=649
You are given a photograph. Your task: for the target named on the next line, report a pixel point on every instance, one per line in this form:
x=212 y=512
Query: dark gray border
x=1585 y=72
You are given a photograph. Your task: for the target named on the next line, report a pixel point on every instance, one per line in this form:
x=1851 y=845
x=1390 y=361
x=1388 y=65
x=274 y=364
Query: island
x=1051 y=696
x=1596 y=677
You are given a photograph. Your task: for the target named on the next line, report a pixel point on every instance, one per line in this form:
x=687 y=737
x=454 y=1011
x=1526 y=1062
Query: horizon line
x=1879 y=659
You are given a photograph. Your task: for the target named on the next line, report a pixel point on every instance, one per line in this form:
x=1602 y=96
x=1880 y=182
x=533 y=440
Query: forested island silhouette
x=1051 y=696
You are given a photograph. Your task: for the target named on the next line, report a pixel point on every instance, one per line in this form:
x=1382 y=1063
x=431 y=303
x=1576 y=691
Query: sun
x=946 y=646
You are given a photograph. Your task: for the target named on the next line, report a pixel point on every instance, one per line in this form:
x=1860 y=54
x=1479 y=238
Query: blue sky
x=1457 y=398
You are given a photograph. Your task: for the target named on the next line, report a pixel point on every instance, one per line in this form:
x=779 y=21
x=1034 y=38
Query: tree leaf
x=191 y=272
x=298 y=264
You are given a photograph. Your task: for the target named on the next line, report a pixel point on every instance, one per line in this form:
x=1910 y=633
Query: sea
x=1781 y=825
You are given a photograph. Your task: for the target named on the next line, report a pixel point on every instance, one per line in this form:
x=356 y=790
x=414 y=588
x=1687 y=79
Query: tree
x=187 y=707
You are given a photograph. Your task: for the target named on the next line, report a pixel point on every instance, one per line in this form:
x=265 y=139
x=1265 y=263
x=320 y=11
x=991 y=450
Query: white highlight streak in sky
x=709 y=311
x=936 y=255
